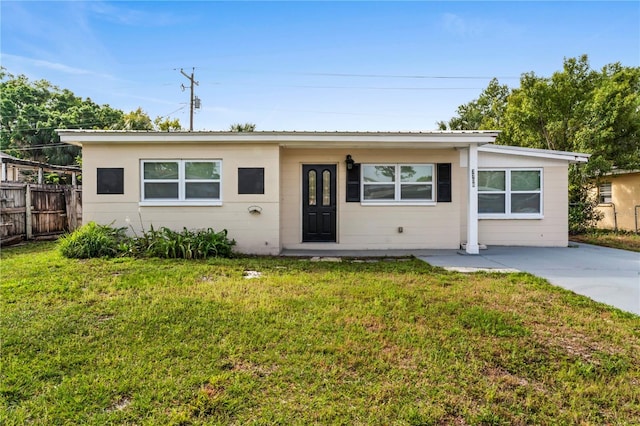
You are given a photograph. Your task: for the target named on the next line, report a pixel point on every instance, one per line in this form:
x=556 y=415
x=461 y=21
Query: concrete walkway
x=603 y=274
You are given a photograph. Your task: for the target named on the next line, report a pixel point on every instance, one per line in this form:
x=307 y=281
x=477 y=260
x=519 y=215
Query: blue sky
x=367 y=66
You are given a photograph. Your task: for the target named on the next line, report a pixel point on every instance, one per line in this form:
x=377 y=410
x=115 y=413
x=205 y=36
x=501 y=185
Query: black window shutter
x=353 y=184
x=110 y=181
x=250 y=180
x=444 y=182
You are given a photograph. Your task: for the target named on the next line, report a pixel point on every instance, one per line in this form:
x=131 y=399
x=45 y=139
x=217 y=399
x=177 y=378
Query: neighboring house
x=619 y=200
x=329 y=190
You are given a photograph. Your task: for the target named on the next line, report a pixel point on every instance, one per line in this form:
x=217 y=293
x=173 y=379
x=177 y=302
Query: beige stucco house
x=619 y=200
x=275 y=191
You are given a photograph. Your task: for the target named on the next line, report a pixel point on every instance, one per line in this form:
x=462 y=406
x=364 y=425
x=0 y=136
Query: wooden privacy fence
x=30 y=211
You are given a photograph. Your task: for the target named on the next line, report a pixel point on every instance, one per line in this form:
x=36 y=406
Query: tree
x=484 y=113
x=167 y=125
x=30 y=112
x=548 y=112
x=246 y=127
x=135 y=120
x=576 y=109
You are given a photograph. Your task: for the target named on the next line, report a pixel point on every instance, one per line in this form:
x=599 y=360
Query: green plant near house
x=169 y=244
x=93 y=240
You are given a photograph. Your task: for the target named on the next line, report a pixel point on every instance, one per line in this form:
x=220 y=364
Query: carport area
x=603 y=274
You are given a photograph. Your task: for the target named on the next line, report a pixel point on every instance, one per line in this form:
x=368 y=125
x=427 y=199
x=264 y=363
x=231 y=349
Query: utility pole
x=193 y=101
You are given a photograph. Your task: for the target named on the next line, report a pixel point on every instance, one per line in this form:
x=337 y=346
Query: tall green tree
x=31 y=111
x=576 y=109
x=549 y=112
x=484 y=113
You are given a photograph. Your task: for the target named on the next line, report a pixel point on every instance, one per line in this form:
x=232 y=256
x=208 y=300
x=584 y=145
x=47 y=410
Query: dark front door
x=319 y=202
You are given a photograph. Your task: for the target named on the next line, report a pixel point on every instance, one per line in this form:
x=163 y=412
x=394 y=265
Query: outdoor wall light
x=349 y=162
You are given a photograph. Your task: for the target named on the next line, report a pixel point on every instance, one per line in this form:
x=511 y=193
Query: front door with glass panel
x=319 y=203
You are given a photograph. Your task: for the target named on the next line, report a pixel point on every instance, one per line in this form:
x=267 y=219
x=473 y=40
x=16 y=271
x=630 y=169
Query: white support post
x=40 y=176
x=472 y=203
x=4 y=172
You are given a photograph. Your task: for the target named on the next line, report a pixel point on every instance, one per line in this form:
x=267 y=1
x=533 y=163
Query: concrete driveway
x=603 y=274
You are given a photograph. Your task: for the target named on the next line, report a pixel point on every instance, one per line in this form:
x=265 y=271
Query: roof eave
x=571 y=157
x=284 y=139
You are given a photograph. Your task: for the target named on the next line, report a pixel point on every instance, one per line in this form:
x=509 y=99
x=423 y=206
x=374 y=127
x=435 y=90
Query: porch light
x=349 y=162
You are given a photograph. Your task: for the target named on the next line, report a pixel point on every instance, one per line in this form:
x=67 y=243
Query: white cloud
x=55 y=66
x=128 y=16
x=459 y=26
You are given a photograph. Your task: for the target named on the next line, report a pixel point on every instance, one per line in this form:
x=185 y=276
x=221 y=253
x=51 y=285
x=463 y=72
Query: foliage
x=583 y=202
x=31 y=111
x=157 y=341
x=93 y=240
x=167 y=125
x=169 y=244
x=484 y=113
x=246 y=127
x=134 y=120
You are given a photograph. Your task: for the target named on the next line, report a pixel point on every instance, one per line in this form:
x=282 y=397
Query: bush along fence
x=33 y=211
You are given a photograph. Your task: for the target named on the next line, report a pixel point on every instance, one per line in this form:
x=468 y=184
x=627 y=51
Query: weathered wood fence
x=30 y=211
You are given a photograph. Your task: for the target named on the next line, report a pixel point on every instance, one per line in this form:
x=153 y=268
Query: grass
x=616 y=239
x=128 y=341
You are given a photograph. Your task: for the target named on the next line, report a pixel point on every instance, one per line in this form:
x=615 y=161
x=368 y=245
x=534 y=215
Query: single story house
x=275 y=191
x=619 y=200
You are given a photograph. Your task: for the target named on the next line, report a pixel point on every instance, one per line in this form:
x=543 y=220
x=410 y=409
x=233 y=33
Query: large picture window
x=397 y=183
x=181 y=181
x=515 y=193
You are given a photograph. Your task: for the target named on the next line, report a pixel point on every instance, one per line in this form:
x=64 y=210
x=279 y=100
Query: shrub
x=93 y=240
x=187 y=244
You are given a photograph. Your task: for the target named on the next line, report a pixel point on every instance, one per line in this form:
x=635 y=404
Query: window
x=397 y=183
x=510 y=193
x=195 y=182
x=604 y=193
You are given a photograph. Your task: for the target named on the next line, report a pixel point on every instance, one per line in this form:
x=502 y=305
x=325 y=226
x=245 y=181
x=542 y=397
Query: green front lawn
x=129 y=341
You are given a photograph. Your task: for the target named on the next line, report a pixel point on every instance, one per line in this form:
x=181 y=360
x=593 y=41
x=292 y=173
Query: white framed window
x=181 y=182
x=397 y=184
x=510 y=193
x=604 y=193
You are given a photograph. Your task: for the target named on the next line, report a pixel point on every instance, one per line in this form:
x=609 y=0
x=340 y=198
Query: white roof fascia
x=572 y=157
x=284 y=139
